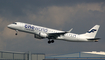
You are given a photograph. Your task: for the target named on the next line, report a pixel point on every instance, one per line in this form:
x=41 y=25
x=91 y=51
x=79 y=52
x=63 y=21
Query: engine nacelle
x=44 y=35
x=40 y=35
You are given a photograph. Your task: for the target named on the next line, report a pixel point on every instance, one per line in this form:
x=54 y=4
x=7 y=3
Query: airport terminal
x=11 y=55
x=94 y=55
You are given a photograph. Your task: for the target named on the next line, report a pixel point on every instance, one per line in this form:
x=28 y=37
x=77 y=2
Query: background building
x=9 y=55
x=80 y=56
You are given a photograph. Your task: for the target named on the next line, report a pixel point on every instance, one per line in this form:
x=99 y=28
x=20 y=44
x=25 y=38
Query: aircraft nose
x=9 y=26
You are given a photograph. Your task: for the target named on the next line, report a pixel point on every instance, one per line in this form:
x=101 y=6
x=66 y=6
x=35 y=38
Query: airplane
x=53 y=34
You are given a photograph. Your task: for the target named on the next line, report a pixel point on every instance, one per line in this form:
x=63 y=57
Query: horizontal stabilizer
x=94 y=39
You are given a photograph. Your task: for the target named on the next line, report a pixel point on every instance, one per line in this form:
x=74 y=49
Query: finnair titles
x=53 y=34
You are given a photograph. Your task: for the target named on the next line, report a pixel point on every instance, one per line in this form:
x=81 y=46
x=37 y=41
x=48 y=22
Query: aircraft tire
x=49 y=42
x=16 y=34
x=52 y=41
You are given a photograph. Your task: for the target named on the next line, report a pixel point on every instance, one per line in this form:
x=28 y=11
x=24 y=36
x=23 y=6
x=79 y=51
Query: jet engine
x=40 y=35
x=37 y=36
x=44 y=35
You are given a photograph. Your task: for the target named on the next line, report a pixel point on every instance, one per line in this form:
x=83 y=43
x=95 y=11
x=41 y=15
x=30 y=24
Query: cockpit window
x=14 y=23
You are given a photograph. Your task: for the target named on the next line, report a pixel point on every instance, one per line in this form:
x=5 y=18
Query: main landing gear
x=16 y=32
x=52 y=41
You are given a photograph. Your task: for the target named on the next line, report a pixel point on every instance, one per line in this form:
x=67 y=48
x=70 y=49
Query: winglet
x=70 y=30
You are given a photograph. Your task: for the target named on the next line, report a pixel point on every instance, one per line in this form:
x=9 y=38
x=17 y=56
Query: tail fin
x=92 y=32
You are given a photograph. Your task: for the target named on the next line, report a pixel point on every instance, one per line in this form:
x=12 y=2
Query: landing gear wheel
x=16 y=34
x=52 y=41
x=49 y=42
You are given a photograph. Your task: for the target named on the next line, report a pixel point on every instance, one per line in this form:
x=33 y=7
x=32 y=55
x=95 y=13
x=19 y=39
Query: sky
x=81 y=15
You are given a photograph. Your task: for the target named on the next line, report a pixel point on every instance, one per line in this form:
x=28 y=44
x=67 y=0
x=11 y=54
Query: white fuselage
x=34 y=29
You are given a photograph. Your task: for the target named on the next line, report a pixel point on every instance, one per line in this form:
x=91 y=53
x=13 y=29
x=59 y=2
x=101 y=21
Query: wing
x=55 y=35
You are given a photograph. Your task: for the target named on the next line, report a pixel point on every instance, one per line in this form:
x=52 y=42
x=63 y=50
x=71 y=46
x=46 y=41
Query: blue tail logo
x=93 y=30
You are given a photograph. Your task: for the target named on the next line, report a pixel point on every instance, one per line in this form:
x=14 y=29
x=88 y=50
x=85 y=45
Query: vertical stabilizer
x=92 y=32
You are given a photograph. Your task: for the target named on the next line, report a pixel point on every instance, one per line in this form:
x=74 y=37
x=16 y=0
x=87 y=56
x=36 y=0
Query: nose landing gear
x=16 y=32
